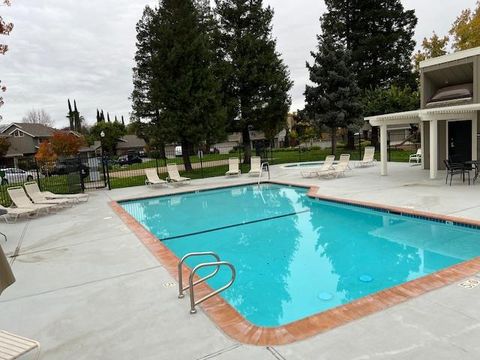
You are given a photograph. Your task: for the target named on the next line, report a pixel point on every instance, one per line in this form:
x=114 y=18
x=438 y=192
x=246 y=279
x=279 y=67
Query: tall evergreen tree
x=255 y=80
x=175 y=86
x=334 y=101
x=379 y=34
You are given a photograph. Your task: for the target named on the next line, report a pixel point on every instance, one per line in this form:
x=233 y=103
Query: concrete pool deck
x=88 y=289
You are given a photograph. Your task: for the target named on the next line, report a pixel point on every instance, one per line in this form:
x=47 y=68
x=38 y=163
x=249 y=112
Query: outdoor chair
x=15 y=213
x=152 y=178
x=33 y=186
x=325 y=168
x=233 y=167
x=345 y=159
x=456 y=169
x=13 y=346
x=416 y=158
x=22 y=201
x=37 y=197
x=368 y=157
x=174 y=175
x=255 y=166
x=340 y=169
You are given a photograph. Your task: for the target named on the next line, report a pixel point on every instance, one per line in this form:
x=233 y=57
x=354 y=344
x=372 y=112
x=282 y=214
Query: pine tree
x=379 y=34
x=175 y=86
x=334 y=101
x=255 y=79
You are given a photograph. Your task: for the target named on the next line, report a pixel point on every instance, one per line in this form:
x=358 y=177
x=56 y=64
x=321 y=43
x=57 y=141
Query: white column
x=422 y=142
x=383 y=149
x=433 y=149
x=474 y=137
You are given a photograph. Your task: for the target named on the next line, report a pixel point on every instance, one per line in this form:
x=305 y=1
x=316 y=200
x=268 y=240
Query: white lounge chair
x=233 y=167
x=22 y=201
x=33 y=187
x=37 y=197
x=15 y=213
x=325 y=168
x=255 y=166
x=13 y=346
x=174 y=175
x=415 y=159
x=152 y=178
x=368 y=157
x=342 y=166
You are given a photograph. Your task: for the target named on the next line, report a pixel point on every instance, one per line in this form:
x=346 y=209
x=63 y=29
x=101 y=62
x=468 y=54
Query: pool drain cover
x=366 y=278
x=325 y=296
x=470 y=284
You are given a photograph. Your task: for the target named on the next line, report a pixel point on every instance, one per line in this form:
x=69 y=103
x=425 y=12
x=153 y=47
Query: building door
x=460 y=141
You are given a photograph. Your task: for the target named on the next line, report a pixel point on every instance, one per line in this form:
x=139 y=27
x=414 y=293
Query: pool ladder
x=217 y=264
x=264 y=165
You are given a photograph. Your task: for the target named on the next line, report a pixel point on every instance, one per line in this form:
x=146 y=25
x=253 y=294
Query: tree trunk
x=350 y=140
x=186 y=147
x=247 y=150
x=374 y=139
x=334 y=140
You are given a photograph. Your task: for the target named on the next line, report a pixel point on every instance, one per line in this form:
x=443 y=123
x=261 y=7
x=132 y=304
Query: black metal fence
x=92 y=171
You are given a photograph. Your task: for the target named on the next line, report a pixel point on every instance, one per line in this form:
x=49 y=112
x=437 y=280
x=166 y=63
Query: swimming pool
x=296 y=256
x=303 y=165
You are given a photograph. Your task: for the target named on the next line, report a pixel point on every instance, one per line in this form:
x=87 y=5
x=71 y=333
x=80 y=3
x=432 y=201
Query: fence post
x=360 y=145
x=108 y=173
x=38 y=175
x=156 y=161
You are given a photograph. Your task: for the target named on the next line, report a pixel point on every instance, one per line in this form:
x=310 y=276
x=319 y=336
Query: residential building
x=449 y=115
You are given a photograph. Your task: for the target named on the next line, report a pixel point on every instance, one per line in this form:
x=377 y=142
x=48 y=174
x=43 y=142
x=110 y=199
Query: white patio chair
x=174 y=175
x=415 y=159
x=152 y=178
x=22 y=201
x=33 y=192
x=49 y=195
x=325 y=168
x=368 y=157
x=13 y=346
x=233 y=167
x=255 y=166
x=15 y=213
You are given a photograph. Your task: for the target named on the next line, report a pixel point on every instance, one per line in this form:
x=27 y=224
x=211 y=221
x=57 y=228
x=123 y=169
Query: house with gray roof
x=25 y=139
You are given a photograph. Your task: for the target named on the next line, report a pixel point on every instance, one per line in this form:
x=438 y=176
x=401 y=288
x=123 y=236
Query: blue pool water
x=297 y=256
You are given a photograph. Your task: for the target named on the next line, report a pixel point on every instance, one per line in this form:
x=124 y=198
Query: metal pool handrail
x=262 y=166
x=217 y=264
x=181 y=289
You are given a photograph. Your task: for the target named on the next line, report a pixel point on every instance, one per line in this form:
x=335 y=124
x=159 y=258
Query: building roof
x=131 y=141
x=408 y=117
x=34 y=130
x=459 y=55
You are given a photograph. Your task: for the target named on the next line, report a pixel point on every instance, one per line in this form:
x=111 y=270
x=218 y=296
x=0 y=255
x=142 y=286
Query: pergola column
x=383 y=149
x=433 y=149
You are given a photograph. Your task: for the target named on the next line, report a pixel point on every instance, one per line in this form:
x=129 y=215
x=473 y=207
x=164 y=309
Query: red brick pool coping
x=238 y=328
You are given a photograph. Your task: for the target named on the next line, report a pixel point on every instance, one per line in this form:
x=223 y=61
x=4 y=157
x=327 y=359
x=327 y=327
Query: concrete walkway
x=87 y=288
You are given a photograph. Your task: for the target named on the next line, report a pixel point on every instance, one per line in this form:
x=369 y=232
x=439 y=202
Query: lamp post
x=106 y=175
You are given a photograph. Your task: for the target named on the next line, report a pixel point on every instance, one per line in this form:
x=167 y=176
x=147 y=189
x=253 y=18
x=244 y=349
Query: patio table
x=476 y=166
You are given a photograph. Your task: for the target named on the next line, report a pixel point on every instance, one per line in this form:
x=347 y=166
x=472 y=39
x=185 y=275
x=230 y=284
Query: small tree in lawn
x=334 y=100
x=66 y=144
x=46 y=157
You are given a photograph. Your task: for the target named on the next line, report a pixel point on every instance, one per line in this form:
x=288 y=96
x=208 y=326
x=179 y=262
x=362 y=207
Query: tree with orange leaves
x=66 y=144
x=46 y=157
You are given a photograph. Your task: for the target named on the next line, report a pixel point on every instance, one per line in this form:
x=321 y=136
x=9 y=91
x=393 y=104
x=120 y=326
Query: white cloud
x=84 y=50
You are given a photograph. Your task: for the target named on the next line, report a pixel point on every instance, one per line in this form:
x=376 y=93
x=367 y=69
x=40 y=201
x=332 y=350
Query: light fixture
x=102 y=134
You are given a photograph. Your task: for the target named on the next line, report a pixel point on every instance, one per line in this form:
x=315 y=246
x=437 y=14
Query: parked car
x=14 y=176
x=129 y=159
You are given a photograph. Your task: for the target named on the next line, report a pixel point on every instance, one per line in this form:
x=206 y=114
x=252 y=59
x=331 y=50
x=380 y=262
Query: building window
x=17 y=133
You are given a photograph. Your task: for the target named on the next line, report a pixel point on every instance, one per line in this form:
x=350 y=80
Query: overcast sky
x=84 y=50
